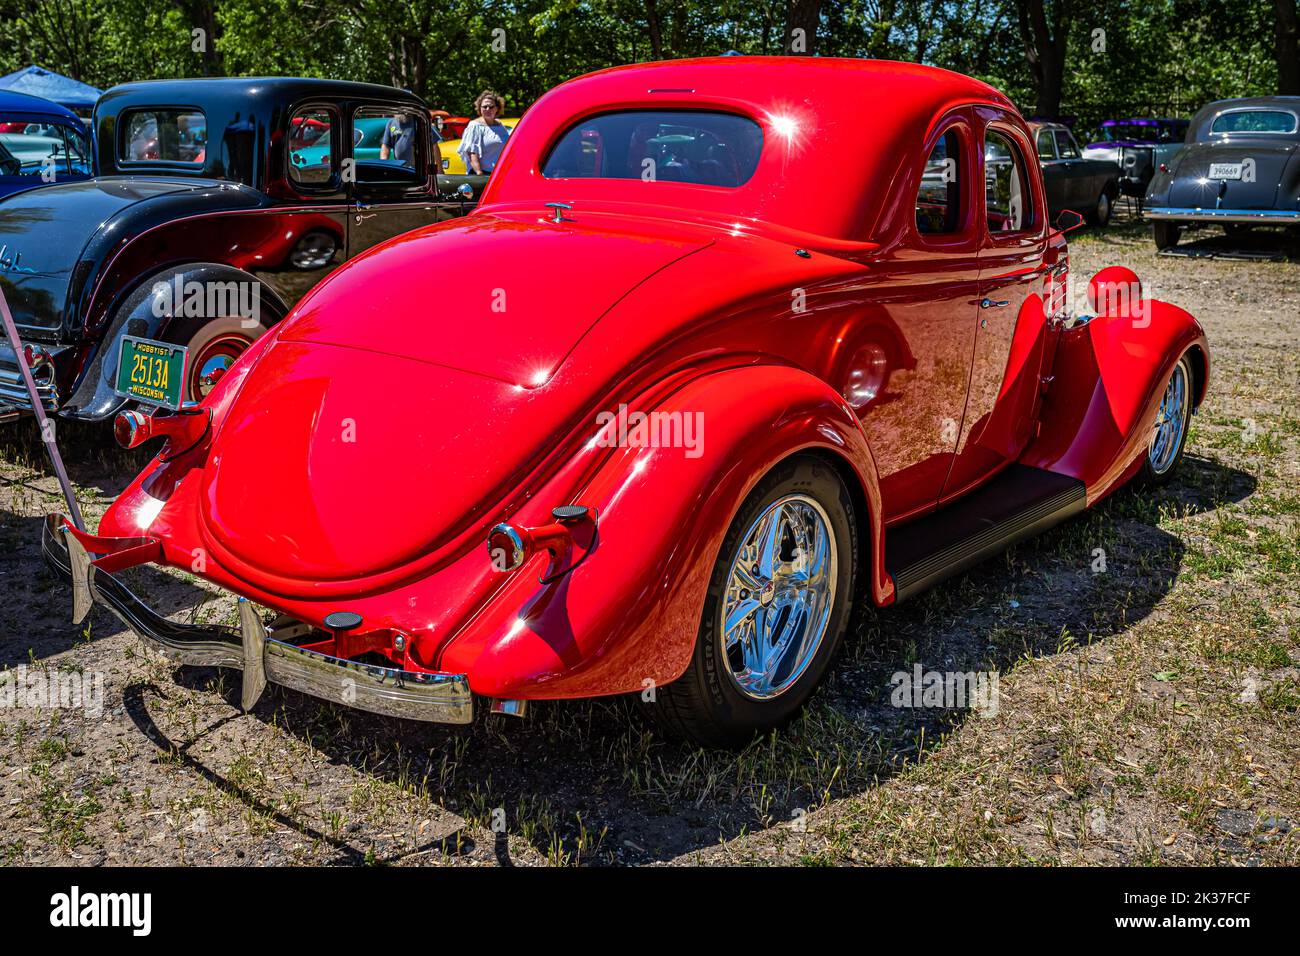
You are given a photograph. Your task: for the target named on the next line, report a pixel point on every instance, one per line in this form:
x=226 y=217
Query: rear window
x=1254 y=121
x=679 y=146
x=167 y=136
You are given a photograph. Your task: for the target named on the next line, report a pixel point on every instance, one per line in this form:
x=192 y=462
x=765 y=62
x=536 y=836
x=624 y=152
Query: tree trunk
x=1045 y=50
x=802 y=15
x=656 y=30
x=1287 y=48
x=202 y=15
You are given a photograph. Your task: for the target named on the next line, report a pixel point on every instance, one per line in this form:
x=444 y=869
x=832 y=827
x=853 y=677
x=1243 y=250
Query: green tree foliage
x=1120 y=56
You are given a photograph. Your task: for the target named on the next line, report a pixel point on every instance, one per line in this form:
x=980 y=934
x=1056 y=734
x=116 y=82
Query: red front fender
x=627 y=617
x=1109 y=376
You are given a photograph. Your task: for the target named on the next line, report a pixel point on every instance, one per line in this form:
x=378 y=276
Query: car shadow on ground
x=1248 y=244
x=35 y=604
x=592 y=782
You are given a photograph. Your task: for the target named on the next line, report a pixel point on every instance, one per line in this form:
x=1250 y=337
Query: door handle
x=994 y=303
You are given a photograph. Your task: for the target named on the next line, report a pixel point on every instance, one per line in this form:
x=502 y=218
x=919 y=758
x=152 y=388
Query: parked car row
x=444 y=513
x=289 y=187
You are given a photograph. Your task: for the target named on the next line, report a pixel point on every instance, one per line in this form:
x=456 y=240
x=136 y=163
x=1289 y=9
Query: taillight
x=1164 y=167
x=182 y=430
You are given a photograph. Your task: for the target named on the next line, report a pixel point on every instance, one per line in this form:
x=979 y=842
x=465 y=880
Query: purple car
x=1139 y=146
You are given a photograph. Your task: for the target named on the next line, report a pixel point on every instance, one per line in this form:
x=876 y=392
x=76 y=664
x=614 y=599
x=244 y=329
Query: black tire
x=1166 y=234
x=706 y=704
x=1149 y=476
x=1099 y=215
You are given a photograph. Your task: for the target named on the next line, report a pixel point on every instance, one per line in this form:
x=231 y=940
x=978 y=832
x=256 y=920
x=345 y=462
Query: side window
x=35 y=150
x=77 y=151
x=1006 y=187
x=938 y=201
x=170 y=136
x=312 y=133
x=1065 y=145
x=387 y=145
x=1046 y=151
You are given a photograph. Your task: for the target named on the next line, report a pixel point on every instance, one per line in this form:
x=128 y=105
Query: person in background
x=398 y=141
x=485 y=136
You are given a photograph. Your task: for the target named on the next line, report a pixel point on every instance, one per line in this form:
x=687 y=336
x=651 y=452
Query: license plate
x=151 y=372
x=1225 y=171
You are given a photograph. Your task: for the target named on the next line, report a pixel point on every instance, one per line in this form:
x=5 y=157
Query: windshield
x=682 y=146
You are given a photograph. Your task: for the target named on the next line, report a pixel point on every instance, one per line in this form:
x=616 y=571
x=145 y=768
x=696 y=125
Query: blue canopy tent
x=37 y=81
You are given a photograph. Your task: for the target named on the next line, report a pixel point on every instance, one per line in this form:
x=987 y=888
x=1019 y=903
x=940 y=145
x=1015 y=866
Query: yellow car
x=452 y=163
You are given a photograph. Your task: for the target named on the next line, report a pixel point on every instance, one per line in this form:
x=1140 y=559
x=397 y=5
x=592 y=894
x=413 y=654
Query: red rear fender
x=631 y=612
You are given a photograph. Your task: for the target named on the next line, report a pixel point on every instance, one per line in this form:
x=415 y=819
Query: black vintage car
x=1239 y=168
x=217 y=205
x=1072 y=180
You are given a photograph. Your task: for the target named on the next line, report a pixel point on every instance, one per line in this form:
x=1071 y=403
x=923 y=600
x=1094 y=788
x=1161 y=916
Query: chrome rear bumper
x=13 y=393
x=414 y=695
x=1263 y=217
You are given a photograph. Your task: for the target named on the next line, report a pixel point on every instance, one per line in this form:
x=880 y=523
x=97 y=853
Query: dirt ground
x=1148 y=712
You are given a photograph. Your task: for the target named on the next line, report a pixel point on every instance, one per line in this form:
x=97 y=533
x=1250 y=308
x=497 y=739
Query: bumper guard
x=414 y=695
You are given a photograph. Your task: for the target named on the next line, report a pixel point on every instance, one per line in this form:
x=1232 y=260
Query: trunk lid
x=1263 y=164
x=397 y=406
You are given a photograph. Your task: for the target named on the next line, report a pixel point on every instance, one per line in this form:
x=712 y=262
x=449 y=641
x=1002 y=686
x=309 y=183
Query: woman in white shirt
x=485 y=136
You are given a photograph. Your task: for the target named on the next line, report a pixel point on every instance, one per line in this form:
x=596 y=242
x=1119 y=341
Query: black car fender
x=141 y=314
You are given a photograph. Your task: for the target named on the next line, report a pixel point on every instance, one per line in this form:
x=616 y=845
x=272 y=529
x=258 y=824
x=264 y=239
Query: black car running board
x=1016 y=504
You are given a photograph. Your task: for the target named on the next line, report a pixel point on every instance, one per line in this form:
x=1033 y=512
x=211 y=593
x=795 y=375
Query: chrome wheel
x=313 y=251
x=779 y=595
x=1171 y=420
x=213 y=361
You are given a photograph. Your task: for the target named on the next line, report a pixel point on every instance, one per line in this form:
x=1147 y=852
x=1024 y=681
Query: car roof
x=1207 y=114
x=876 y=112
x=11 y=102
x=191 y=91
x=1144 y=121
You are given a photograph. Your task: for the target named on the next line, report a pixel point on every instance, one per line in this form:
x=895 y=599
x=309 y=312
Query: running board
x=1017 y=503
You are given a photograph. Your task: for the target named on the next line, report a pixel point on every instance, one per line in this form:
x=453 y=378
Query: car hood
x=1192 y=186
x=49 y=228
x=382 y=424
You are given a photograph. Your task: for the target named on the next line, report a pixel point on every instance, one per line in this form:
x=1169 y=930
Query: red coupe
x=725 y=359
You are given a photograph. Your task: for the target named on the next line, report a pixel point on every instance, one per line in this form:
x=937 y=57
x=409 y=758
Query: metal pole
x=47 y=433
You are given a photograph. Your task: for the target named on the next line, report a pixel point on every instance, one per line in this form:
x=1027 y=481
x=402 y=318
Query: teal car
x=367 y=138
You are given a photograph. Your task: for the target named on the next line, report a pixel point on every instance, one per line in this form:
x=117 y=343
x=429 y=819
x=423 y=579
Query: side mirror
x=1067 y=220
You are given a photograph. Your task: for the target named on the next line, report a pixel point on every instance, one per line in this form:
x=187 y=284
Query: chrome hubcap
x=313 y=251
x=779 y=595
x=1170 y=422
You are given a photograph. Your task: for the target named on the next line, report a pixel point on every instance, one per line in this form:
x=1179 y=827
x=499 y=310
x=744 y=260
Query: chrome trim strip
x=1184 y=213
x=412 y=695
